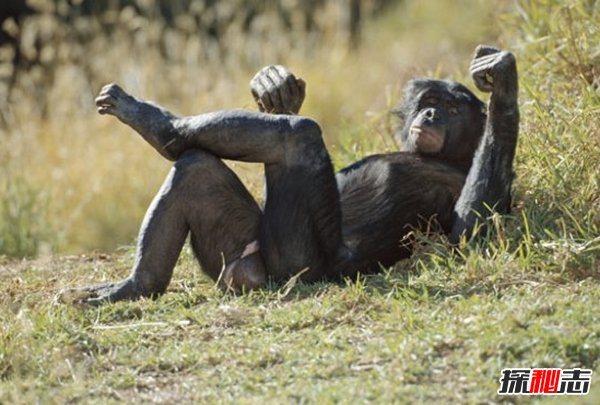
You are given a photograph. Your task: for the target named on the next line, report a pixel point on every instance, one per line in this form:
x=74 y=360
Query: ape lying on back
x=457 y=160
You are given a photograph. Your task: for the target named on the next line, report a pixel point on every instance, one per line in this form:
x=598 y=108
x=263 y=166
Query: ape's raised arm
x=489 y=181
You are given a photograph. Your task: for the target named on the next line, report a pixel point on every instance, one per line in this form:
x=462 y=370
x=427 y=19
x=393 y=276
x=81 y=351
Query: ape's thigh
x=301 y=226
x=222 y=215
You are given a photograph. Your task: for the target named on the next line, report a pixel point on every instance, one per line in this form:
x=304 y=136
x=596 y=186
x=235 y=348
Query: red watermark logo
x=545 y=381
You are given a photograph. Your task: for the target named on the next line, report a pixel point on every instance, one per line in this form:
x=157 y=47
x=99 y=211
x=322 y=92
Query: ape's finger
x=273 y=94
x=484 y=50
x=301 y=87
x=281 y=79
x=106 y=109
x=482 y=83
x=292 y=84
x=263 y=95
x=104 y=99
x=302 y=93
x=256 y=86
x=254 y=94
x=486 y=62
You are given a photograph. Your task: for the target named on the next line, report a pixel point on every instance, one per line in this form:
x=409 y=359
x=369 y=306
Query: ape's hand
x=277 y=91
x=494 y=70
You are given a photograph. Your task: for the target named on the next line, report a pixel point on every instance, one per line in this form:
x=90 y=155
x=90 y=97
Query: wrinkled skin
x=456 y=162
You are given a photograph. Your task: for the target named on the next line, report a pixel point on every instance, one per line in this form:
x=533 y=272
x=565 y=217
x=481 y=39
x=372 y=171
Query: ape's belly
x=385 y=197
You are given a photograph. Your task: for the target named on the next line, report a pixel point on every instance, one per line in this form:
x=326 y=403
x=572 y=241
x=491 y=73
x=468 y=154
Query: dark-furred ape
x=456 y=163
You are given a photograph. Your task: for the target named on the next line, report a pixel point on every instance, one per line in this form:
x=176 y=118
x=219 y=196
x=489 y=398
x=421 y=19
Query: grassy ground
x=406 y=336
x=436 y=328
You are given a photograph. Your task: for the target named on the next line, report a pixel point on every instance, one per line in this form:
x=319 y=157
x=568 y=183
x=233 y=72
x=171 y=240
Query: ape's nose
x=430 y=113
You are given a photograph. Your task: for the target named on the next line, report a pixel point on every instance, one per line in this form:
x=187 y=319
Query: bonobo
x=456 y=164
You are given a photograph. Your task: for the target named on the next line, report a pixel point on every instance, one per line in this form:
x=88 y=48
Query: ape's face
x=442 y=119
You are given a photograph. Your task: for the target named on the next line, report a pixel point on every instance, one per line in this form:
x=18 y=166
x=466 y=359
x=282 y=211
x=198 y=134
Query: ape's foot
x=100 y=294
x=113 y=100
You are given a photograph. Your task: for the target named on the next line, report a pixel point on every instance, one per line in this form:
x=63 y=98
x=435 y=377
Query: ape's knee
x=196 y=166
x=305 y=143
x=195 y=160
x=305 y=126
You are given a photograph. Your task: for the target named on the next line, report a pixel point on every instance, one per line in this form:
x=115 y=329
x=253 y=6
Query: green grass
x=414 y=334
x=436 y=328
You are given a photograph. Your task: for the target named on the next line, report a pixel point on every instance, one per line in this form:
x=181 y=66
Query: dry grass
x=88 y=179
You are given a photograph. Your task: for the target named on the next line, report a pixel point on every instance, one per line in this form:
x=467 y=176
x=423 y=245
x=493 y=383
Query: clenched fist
x=277 y=91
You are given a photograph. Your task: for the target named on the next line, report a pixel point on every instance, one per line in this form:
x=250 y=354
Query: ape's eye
x=453 y=110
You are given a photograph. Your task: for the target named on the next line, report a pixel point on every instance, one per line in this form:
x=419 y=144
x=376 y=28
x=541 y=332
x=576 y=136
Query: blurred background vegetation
x=72 y=181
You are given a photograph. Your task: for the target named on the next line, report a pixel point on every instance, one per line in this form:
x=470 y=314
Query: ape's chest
x=384 y=198
x=398 y=182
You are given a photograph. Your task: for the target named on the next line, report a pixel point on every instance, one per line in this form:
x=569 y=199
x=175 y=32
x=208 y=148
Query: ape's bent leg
x=224 y=220
x=203 y=196
x=302 y=220
x=301 y=227
x=231 y=134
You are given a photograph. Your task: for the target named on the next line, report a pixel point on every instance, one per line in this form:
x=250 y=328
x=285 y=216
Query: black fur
x=457 y=160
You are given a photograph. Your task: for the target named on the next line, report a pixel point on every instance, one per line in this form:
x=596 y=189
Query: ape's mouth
x=428 y=139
